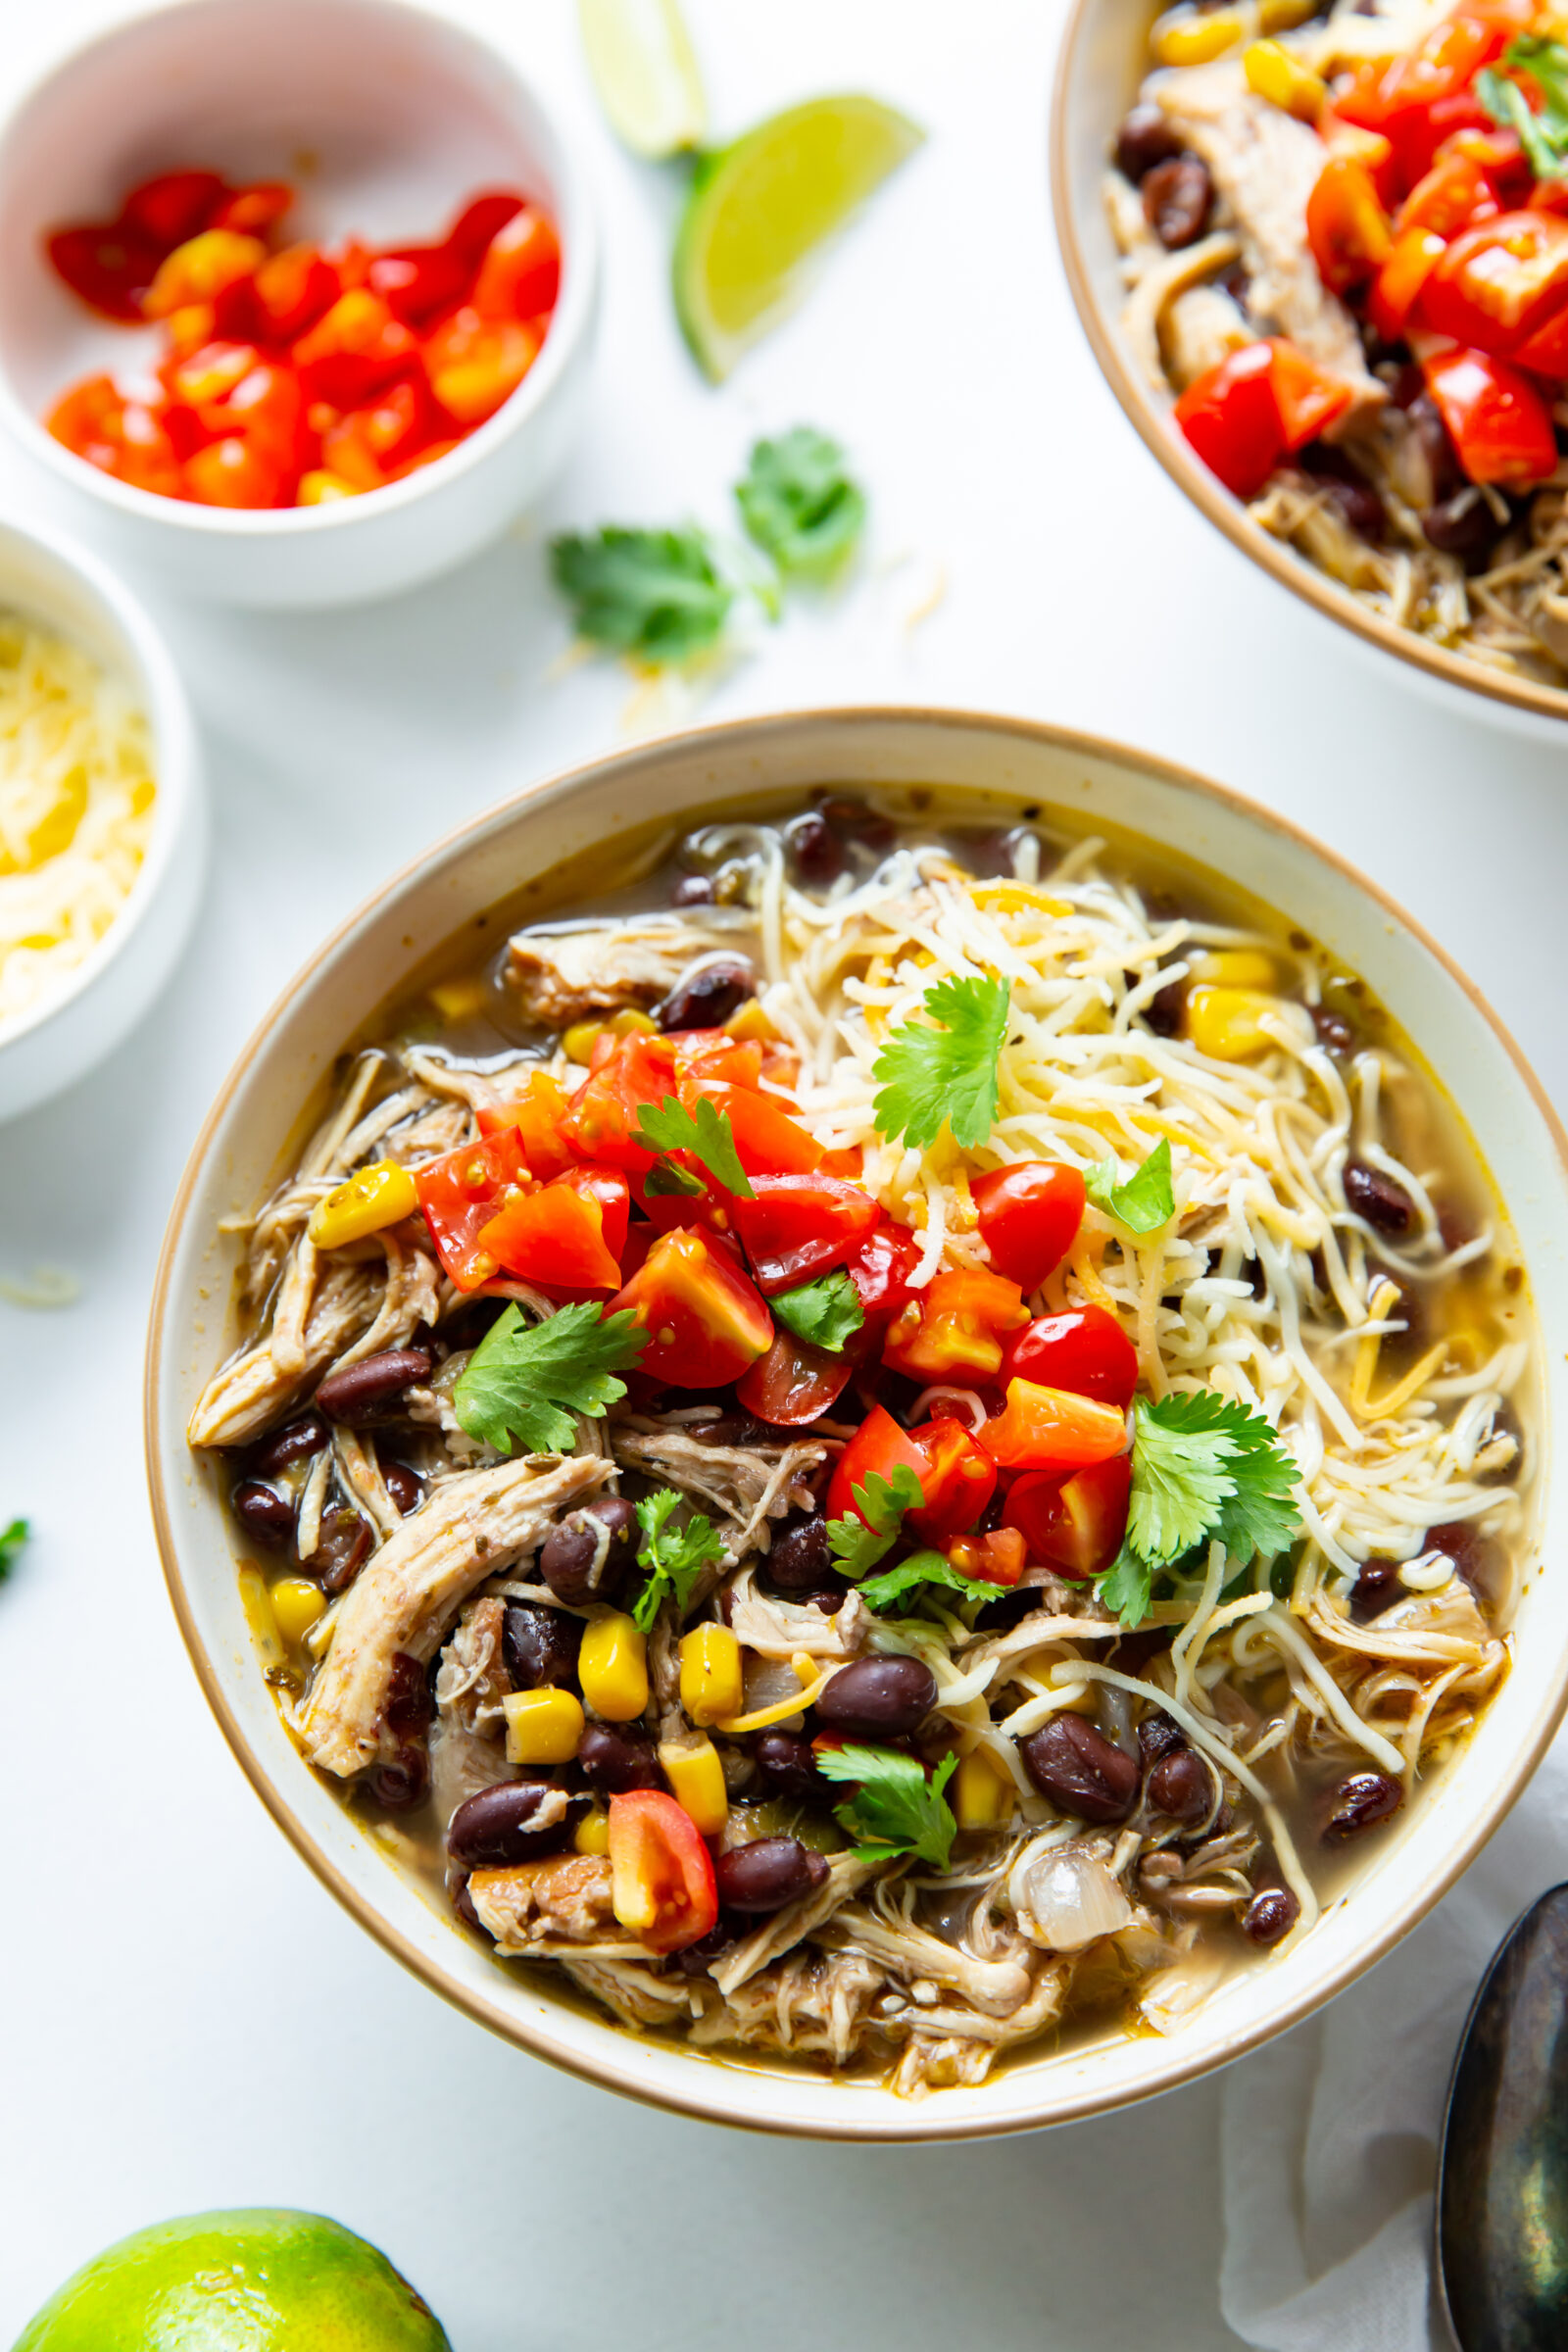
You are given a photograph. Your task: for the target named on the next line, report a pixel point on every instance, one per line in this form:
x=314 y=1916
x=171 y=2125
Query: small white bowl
x=59 y=1040
x=385 y=118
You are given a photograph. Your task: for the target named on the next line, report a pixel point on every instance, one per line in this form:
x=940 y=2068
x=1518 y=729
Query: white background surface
x=188 y=2019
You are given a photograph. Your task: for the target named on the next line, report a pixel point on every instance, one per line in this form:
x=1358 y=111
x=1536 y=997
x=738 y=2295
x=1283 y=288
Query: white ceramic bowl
x=59 y=1040
x=406 y=116
x=1103 y=60
x=992 y=763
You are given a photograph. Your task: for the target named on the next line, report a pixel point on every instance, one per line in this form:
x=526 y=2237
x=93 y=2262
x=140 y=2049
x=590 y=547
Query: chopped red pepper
x=663 y=1887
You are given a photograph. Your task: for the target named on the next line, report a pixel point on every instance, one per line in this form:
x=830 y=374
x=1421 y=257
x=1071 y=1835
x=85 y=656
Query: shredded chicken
x=563 y=1899
x=747 y=1484
x=561 y=973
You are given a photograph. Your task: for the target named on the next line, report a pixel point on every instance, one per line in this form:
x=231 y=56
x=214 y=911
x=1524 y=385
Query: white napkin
x=1330 y=2134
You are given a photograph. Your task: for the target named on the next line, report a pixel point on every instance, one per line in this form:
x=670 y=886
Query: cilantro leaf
x=1203 y=1467
x=856 y=1545
x=655 y=594
x=708 y=1137
x=798 y=504
x=526 y=1381
x=894 y=1810
x=1127 y=1587
x=1145 y=1201
x=669 y=1176
x=1543 y=136
x=823 y=1312
x=12 y=1538
x=923 y=1568
x=674 y=1556
x=932 y=1077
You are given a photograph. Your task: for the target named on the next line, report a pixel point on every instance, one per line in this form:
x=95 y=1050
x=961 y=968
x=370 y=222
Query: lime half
x=758 y=211
x=261 y=2281
x=644 y=70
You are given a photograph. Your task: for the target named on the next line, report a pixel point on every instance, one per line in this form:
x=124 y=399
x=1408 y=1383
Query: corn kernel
x=1184 y=37
x=1283 y=16
x=712 y=1681
x=613 y=1667
x=983 y=1796
x=1227 y=1023
x=751 y=1025
x=257 y=1602
x=460 y=1000
x=543 y=1727
x=320 y=487
x=1283 y=81
x=377 y=1197
x=696 y=1780
x=1235 y=967
x=591 y=1836
x=629 y=1020
x=578 y=1042
x=297 y=1603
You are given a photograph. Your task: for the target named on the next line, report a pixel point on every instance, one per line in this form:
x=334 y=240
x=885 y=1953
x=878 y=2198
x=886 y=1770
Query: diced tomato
x=109 y=267
x=609 y=1188
x=292 y=290
x=1347 y=227
x=418 y=282
x=1052 y=1429
x=174 y=206
x=1494 y=283
x=877 y=1447
x=475 y=364
x=794 y=1382
x=1414 y=256
x=712 y=1053
x=253 y=208
x=536 y=1114
x=997 y=1558
x=954 y=1330
x=1546 y=351
x=519 y=277
x=1460 y=189
x=1256 y=407
x=1497 y=420
x=235 y=472
x=353 y=351
x=369 y=446
x=958 y=1481
x=797 y=1227
x=1307 y=400
x=1029 y=1215
x=462 y=1192
x=602 y=1117
x=266 y=407
x=880 y=1268
x=555 y=1236
x=1085 y=1350
x=121 y=437
x=1440 y=66
x=1369 y=148
x=768 y=1141
x=663 y=1887
x=480 y=222
x=205 y=267
x=1075 y=1523
x=705 y=1322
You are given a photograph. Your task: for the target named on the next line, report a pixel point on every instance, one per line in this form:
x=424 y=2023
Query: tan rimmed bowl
x=1102 y=59
x=994 y=765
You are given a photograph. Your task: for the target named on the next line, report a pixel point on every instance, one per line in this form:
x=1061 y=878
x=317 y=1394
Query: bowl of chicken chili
x=869 y=1457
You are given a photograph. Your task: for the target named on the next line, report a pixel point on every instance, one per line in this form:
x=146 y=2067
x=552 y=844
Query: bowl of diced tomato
x=296 y=296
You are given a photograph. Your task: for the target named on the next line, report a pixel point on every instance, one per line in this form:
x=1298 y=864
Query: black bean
x=590 y=1554
x=400 y=1784
x=295 y=1442
x=829 y=1595
x=463 y=1903
x=1478 y=1559
x=540 y=1645
x=877 y=1697
x=1383 y=1203
x=1436 y=447
x=693 y=1959
x=1165 y=1008
x=263 y=1514
x=1333 y=1030
x=1145 y=140
x=800 y=1557
x=1377 y=1588
x=706 y=995
x=614 y=1761
x=362 y=1391
x=816 y=849
x=1158 y=1737
x=404 y=1486
x=1182 y=1787
x=731 y=1428
x=1271 y=1914
x=768 y=1874
x=408 y=1708
x=1176 y=199
x=1080 y=1770
x=497 y=1826
x=1361 y=1801
x=856 y=822
x=1358 y=506
x=786 y=1766
x=693 y=890
x=1463 y=525
x=341 y=1549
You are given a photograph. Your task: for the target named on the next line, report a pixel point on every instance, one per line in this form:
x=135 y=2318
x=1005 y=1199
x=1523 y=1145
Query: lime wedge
x=640 y=56
x=758 y=211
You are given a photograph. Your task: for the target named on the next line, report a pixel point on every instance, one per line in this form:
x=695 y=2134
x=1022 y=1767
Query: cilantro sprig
x=706 y=1134
x=856 y=1545
x=1543 y=136
x=674 y=1556
x=798 y=504
x=825 y=1313
x=1204 y=1468
x=12 y=1539
x=657 y=595
x=941 y=1071
x=527 y=1381
x=923 y=1568
x=896 y=1810
x=1147 y=1199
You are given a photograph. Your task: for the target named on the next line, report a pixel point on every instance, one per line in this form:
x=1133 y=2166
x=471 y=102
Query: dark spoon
x=1502 y=2183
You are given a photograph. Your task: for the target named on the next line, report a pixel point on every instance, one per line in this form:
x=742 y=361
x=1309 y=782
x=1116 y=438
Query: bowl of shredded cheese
x=102 y=826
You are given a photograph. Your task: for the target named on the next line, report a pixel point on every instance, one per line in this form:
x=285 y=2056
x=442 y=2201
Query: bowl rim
x=568 y=322
x=1139 y=405
x=726 y=743
x=167 y=711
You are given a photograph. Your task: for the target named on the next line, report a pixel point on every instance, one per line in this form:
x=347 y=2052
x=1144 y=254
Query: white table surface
x=189 y=2020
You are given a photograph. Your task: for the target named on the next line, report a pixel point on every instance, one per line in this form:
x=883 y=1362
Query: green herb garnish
x=708 y=1137
x=656 y=594
x=1203 y=1469
x=882 y=1502
x=527 y=1379
x=800 y=505
x=894 y=1810
x=931 y=1077
x=674 y=1556
x=825 y=1313
x=12 y=1539
x=923 y=1568
x=1543 y=136
x=1145 y=1201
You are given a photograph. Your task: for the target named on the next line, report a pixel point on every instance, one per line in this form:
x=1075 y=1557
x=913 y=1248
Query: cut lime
x=640 y=56
x=758 y=211
x=262 y=2281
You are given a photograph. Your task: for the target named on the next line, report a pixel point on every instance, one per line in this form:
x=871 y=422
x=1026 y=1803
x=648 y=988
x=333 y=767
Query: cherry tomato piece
x=1085 y=1350
x=111 y=269
x=1347 y=227
x=999 y=1558
x=880 y=1268
x=174 y=206
x=519 y=277
x=254 y=209
x=797 y=1227
x=1029 y=1215
x=1050 y=1429
x=536 y=1114
x=954 y=1330
x=1415 y=254
x=353 y=351
x=878 y=1445
x=461 y=1193
x=661 y=1876
x=705 y=1322
x=1494 y=283
x=475 y=364
x=563 y=1235
x=793 y=1383
x=234 y=472
x=602 y=1117
x=1497 y=420
x=1075 y=1523
x=768 y=1141
x=957 y=1480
